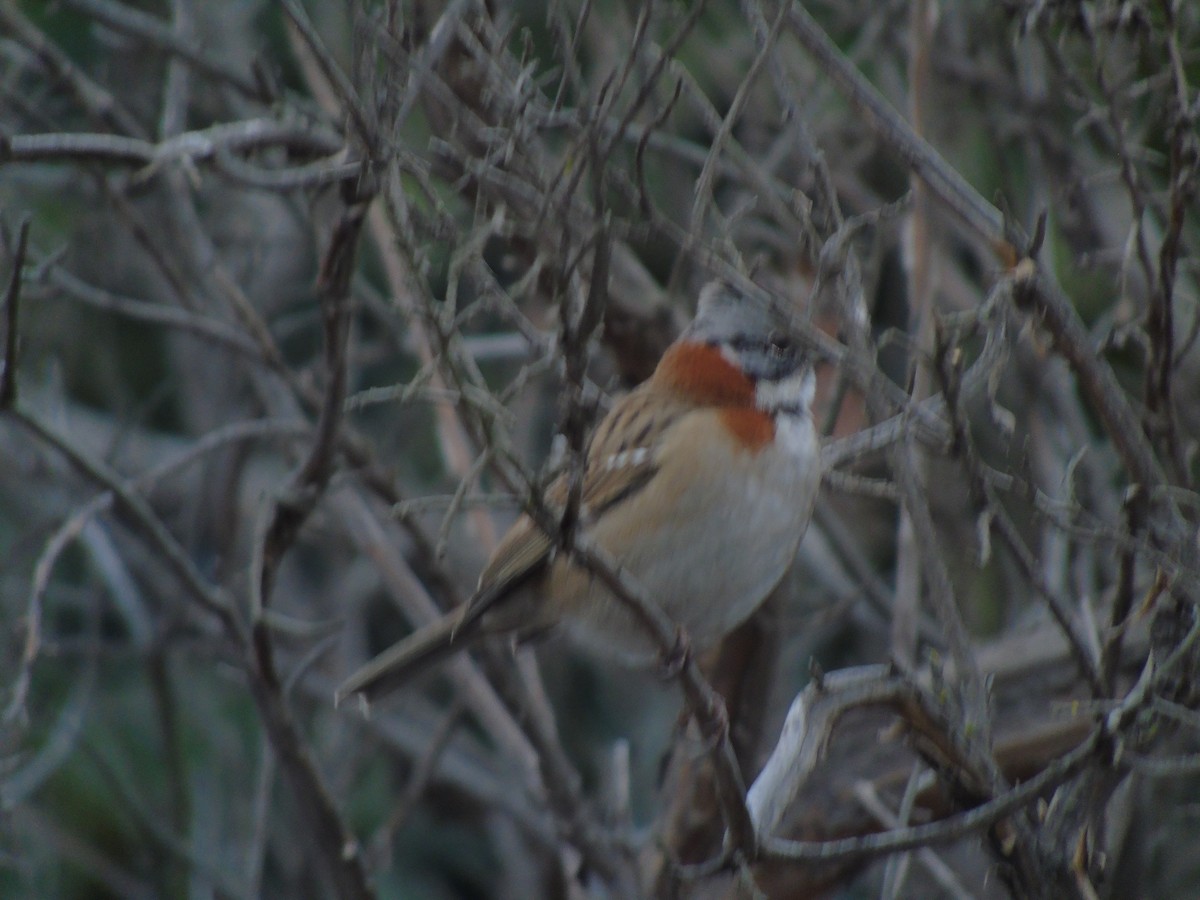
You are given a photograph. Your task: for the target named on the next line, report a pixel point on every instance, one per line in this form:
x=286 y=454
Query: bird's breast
x=709 y=537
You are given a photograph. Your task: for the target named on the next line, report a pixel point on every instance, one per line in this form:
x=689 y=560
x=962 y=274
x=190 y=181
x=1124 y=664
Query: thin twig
x=188 y=147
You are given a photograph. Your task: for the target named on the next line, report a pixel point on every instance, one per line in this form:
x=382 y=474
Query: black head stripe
x=769 y=359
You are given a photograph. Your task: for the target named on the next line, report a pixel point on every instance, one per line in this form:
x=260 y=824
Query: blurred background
x=301 y=298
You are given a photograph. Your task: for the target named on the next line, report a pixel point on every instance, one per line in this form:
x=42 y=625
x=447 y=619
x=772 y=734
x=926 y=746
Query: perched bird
x=700 y=483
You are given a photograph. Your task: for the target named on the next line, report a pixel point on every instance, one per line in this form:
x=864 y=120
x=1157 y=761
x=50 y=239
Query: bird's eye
x=779 y=345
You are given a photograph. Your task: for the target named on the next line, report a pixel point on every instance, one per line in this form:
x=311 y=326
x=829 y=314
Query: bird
x=699 y=483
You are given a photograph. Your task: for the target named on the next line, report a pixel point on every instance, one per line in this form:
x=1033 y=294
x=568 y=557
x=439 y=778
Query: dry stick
x=1159 y=321
x=200 y=145
x=568 y=40
x=424 y=769
x=798 y=138
x=300 y=497
x=1110 y=658
x=328 y=170
x=467 y=767
x=148 y=819
x=12 y=302
x=63 y=843
x=806 y=731
x=454 y=440
x=152 y=241
x=1180 y=567
x=665 y=55
x=737 y=163
x=576 y=327
x=441 y=38
x=982 y=773
x=1033 y=288
x=1002 y=524
x=260 y=805
x=176 y=93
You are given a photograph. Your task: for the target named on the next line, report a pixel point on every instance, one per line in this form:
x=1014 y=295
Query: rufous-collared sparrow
x=699 y=483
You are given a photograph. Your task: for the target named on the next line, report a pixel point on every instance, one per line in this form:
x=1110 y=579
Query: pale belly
x=708 y=555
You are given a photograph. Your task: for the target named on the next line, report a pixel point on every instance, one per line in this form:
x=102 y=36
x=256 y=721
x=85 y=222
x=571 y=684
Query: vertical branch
x=306 y=486
x=12 y=303
x=918 y=260
x=337 y=849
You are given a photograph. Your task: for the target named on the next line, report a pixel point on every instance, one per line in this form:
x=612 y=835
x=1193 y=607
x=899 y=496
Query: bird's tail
x=404 y=659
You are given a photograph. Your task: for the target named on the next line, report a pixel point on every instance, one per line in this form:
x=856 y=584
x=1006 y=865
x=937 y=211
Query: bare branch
x=12 y=300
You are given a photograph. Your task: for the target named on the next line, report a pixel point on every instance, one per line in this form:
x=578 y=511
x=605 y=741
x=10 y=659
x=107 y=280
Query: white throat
x=789 y=396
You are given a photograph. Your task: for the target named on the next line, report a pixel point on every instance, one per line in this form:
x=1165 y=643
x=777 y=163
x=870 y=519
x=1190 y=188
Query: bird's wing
x=621 y=460
x=624 y=453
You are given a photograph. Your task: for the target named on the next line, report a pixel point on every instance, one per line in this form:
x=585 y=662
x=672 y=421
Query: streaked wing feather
x=620 y=462
x=623 y=456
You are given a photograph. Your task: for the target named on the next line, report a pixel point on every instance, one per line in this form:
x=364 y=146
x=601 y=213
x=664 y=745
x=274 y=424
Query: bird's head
x=740 y=351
